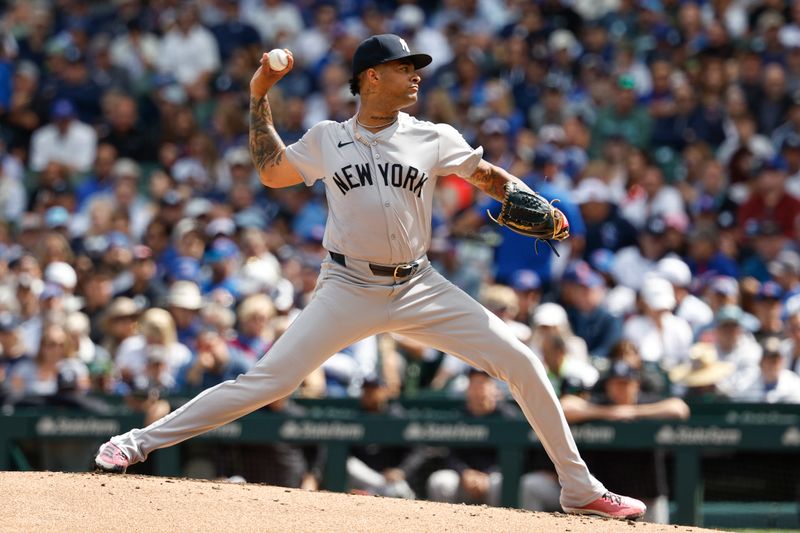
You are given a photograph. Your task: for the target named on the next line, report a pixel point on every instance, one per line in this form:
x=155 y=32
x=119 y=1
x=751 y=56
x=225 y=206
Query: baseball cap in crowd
x=792 y=141
x=189 y=169
x=543 y=154
x=776 y=162
x=581 y=273
x=655 y=225
x=198 y=207
x=769 y=290
x=8 y=322
x=185 y=294
x=221 y=226
x=380 y=49
x=725 y=285
x=238 y=155
x=602 y=260
x=675 y=271
x=220 y=250
x=185 y=268
x=56 y=217
x=61 y=109
x=787 y=263
x=592 y=190
x=171 y=198
x=409 y=17
x=524 y=279
x=623 y=370
x=549 y=314
x=51 y=290
x=249 y=219
x=120 y=307
x=626 y=82
x=62 y=274
x=126 y=168
x=768 y=228
x=117 y=239
x=657 y=293
x=729 y=314
x=495 y=126
x=563 y=40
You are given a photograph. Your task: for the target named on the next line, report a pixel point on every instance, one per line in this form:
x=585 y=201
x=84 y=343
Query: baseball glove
x=531 y=215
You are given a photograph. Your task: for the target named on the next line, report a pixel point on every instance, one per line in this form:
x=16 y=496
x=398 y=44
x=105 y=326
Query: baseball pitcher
x=380 y=169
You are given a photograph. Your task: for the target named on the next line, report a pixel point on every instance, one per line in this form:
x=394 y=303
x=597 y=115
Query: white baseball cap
x=61 y=274
x=550 y=314
x=658 y=294
x=185 y=294
x=675 y=271
x=592 y=190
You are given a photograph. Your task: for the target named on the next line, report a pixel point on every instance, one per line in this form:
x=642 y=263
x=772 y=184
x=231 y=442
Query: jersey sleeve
x=306 y=154
x=455 y=155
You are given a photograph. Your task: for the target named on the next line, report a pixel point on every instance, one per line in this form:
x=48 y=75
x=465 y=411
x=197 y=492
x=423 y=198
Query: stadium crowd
x=140 y=256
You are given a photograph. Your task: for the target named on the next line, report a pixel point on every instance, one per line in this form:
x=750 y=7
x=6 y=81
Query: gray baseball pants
x=351 y=303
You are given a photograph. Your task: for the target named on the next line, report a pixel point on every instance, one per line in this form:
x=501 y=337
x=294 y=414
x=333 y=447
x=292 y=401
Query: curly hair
x=355 y=85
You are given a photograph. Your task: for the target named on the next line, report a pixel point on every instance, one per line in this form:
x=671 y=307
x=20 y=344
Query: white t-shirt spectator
x=188 y=55
x=786 y=390
x=277 y=24
x=136 y=57
x=668 y=346
x=76 y=148
x=132 y=356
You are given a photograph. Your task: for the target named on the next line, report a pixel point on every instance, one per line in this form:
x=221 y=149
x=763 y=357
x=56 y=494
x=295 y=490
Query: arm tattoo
x=266 y=147
x=489 y=180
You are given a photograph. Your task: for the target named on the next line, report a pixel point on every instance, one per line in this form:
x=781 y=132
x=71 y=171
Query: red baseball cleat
x=612 y=505
x=111 y=459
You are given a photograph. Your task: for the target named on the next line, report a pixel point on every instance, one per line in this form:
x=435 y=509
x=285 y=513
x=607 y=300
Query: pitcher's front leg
x=324 y=327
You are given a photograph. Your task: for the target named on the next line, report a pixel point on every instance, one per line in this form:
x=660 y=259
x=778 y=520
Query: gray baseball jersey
x=380 y=186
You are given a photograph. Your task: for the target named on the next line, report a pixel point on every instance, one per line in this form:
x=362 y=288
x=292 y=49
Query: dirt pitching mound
x=52 y=501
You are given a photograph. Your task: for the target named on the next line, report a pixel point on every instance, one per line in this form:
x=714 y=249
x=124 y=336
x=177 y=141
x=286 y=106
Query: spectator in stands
x=213 y=362
x=767 y=308
x=624 y=117
x=632 y=263
x=773 y=382
x=734 y=344
x=253 y=330
x=189 y=52
x=527 y=285
x=605 y=227
x=699 y=378
x=156 y=341
x=688 y=306
x=184 y=302
x=38 y=376
x=769 y=200
x=790 y=346
x=661 y=337
x=472 y=474
x=582 y=294
x=564 y=370
x=621 y=400
x=767 y=241
x=549 y=319
x=65 y=140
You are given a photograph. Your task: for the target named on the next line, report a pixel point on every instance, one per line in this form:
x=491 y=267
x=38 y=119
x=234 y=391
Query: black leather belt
x=403 y=270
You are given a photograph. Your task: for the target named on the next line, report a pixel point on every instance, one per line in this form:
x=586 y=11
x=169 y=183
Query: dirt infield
x=50 y=501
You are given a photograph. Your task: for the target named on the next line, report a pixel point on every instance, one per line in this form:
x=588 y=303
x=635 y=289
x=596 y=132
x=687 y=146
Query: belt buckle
x=411 y=266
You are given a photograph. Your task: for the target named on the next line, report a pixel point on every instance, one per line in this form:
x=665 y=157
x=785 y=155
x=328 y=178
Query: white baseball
x=278 y=59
